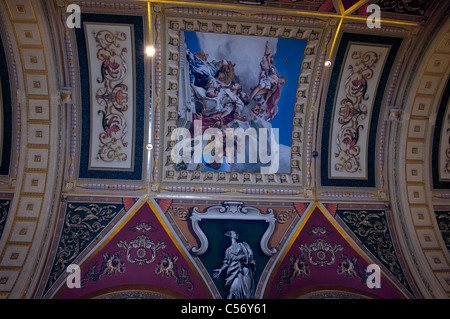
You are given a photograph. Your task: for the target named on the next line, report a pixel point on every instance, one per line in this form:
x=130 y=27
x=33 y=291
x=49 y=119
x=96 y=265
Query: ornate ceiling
x=224 y=149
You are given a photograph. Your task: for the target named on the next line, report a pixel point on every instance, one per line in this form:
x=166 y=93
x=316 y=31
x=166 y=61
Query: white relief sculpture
x=240 y=266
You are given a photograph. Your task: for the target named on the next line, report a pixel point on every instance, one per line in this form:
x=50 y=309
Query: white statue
x=240 y=266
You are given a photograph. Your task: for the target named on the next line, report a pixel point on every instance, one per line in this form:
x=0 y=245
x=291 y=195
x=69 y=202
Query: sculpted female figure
x=240 y=269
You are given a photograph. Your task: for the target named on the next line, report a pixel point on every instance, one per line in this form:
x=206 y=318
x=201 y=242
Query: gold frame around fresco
x=168 y=21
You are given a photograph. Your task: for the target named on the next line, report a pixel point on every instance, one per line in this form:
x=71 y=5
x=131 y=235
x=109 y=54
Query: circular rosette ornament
x=141 y=250
x=320 y=252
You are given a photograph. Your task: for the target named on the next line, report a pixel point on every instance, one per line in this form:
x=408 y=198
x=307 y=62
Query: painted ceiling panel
x=349 y=137
x=441 y=143
x=81 y=222
x=442 y=214
x=319 y=255
x=141 y=252
x=261 y=132
x=190 y=249
x=203 y=227
x=5 y=203
x=5 y=112
x=112 y=83
x=371 y=228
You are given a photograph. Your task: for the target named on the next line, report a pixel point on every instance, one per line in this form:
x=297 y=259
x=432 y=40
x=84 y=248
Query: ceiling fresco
x=230 y=135
x=276 y=117
x=224 y=149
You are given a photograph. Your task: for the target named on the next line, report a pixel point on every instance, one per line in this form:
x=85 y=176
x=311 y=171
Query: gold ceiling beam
x=149 y=23
x=335 y=38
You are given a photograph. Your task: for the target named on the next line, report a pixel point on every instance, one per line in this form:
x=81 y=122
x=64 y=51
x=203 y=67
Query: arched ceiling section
x=420 y=131
x=91 y=124
x=36 y=136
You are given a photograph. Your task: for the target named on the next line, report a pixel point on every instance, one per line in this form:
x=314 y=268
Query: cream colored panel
x=414 y=151
x=436 y=259
x=28 y=34
x=444 y=45
x=23 y=232
x=414 y=172
x=37 y=84
x=37 y=158
x=421 y=216
x=34 y=182
x=422 y=106
x=444 y=147
x=38 y=134
x=29 y=207
x=7 y=280
x=348 y=160
x=427 y=238
x=438 y=63
x=14 y=256
x=33 y=59
x=39 y=109
x=111 y=150
x=417 y=128
x=444 y=279
x=416 y=194
x=429 y=84
x=20 y=9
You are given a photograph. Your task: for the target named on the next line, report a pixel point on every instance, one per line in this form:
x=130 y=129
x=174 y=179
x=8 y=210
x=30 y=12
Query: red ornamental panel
x=141 y=256
x=321 y=259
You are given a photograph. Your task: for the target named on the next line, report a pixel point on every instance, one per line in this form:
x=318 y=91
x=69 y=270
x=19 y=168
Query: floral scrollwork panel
x=353 y=108
x=112 y=102
x=444 y=147
x=352 y=132
x=372 y=229
x=443 y=220
x=82 y=224
x=4 y=209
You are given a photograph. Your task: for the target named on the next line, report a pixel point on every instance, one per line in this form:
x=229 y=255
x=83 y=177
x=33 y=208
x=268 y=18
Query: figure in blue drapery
x=209 y=75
